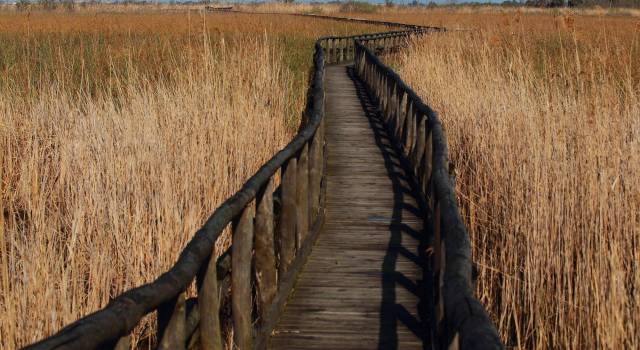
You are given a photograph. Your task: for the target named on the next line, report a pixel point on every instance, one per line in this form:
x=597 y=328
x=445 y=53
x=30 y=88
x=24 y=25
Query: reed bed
x=120 y=132
x=101 y=194
x=543 y=125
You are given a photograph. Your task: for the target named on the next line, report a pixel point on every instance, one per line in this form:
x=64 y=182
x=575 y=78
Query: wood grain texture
x=241 y=305
x=265 y=257
x=362 y=285
x=171 y=323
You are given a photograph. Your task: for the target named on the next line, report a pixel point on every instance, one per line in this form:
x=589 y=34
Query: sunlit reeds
x=543 y=125
x=120 y=132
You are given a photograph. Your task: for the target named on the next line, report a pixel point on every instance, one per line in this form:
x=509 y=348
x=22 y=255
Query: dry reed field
x=123 y=127
x=542 y=114
x=120 y=132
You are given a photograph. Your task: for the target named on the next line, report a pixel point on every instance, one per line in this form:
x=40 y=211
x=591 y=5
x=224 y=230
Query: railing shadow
x=407 y=208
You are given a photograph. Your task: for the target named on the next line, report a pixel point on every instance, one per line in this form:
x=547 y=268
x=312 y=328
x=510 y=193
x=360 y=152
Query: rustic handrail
x=461 y=320
x=253 y=269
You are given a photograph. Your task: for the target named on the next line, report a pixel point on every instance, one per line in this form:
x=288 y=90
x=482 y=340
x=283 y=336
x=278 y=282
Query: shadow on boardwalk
x=404 y=187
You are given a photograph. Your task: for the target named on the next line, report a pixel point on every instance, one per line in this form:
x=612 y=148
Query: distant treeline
x=51 y=4
x=576 y=3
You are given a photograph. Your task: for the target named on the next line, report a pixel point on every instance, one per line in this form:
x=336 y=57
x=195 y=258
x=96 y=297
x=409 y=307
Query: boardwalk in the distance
x=361 y=286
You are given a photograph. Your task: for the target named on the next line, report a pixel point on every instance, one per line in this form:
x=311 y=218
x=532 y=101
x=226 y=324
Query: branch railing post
x=265 y=258
x=171 y=323
x=209 y=305
x=315 y=176
x=241 y=286
x=302 y=196
x=288 y=217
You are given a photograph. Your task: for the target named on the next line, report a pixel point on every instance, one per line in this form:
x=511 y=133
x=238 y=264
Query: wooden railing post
x=302 y=196
x=171 y=324
x=264 y=244
x=388 y=95
x=428 y=164
x=411 y=130
x=209 y=306
x=406 y=133
x=315 y=176
x=123 y=343
x=400 y=113
x=241 y=306
x=438 y=264
x=325 y=50
x=391 y=102
x=288 y=220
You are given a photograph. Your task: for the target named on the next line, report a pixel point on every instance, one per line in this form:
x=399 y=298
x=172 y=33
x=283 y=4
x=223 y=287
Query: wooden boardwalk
x=362 y=285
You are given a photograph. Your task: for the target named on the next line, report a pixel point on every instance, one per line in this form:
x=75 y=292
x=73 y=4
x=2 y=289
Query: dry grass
x=119 y=133
x=100 y=195
x=542 y=114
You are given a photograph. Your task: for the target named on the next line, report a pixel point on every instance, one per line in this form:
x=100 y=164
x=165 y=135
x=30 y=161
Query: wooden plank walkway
x=362 y=285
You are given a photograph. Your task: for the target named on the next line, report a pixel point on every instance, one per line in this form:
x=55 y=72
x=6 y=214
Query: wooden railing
x=340 y=49
x=461 y=321
x=275 y=219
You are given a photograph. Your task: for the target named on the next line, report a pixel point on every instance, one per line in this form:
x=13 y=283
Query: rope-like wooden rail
x=274 y=229
x=462 y=321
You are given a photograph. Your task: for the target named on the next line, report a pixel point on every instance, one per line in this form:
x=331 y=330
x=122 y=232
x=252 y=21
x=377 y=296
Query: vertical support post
x=406 y=133
x=353 y=48
x=123 y=343
x=388 y=106
x=418 y=150
x=171 y=323
x=324 y=47
x=411 y=140
x=264 y=244
x=428 y=163
x=383 y=95
x=329 y=50
x=315 y=176
x=288 y=218
x=241 y=304
x=302 y=196
x=439 y=261
x=391 y=106
x=209 y=306
x=399 y=113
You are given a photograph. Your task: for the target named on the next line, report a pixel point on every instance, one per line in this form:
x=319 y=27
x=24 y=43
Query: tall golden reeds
x=544 y=131
x=120 y=132
x=101 y=194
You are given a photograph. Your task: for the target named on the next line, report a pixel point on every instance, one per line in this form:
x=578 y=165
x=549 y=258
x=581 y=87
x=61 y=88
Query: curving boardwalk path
x=361 y=287
x=367 y=282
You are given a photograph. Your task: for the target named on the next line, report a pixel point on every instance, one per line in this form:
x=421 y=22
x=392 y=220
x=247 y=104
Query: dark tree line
x=583 y=3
